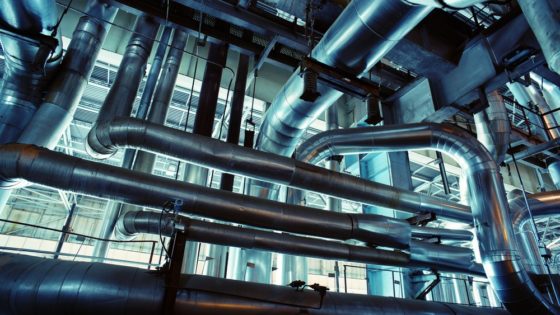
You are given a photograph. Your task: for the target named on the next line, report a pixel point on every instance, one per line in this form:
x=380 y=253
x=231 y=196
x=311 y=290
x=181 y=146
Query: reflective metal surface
x=363 y=33
x=238 y=160
x=60 y=103
x=489 y=207
x=493 y=127
x=36 y=285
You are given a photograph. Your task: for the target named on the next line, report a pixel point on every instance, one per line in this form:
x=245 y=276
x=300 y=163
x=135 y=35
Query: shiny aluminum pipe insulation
x=121 y=96
x=493 y=225
x=105 y=139
x=445 y=4
x=30 y=61
x=160 y=105
x=426 y=255
x=493 y=126
x=543 y=18
x=363 y=33
x=32 y=285
x=60 y=103
x=68 y=173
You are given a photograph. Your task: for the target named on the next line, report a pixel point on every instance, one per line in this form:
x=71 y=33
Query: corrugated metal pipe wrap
x=207 y=152
x=30 y=61
x=440 y=257
x=489 y=207
x=378 y=24
x=493 y=127
x=65 y=92
x=36 y=284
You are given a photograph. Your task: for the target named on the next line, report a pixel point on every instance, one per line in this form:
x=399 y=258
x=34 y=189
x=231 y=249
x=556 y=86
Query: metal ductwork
x=490 y=210
x=58 y=108
x=106 y=139
x=379 y=25
x=493 y=126
x=422 y=254
x=33 y=284
x=32 y=54
x=543 y=18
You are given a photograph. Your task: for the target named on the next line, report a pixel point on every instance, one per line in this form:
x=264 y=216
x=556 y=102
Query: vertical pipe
x=204 y=125
x=65 y=229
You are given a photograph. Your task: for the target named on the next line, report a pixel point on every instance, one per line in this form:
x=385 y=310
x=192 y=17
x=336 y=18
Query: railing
x=149 y=264
x=462 y=286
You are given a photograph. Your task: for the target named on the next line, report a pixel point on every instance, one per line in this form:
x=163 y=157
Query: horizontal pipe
x=439 y=257
x=32 y=285
x=57 y=170
x=490 y=210
x=105 y=139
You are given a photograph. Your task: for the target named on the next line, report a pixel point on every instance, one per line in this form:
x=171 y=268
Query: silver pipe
x=160 y=105
x=31 y=285
x=493 y=126
x=439 y=257
x=32 y=55
x=66 y=90
x=544 y=21
x=494 y=229
x=238 y=160
x=363 y=33
x=64 y=172
x=445 y=4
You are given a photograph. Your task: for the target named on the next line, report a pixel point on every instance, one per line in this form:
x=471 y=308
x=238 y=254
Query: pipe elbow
x=98 y=143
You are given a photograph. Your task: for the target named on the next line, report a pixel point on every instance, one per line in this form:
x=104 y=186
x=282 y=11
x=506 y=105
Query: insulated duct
x=543 y=18
x=363 y=33
x=105 y=139
x=423 y=254
x=37 y=285
x=157 y=114
x=32 y=54
x=60 y=103
x=493 y=126
x=489 y=207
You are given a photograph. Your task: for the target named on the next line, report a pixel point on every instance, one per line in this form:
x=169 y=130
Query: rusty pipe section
x=33 y=285
x=490 y=210
x=105 y=139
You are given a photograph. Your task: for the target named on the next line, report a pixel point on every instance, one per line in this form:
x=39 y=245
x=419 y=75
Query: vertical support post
x=65 y=230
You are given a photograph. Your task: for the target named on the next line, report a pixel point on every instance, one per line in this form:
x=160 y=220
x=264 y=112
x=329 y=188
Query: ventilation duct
x=490 y=210
x=493 y=126
x=378 y=25
x=543 y=18
x=105 y=139
x=37 y=285
x=31 y=55
x=60 y=104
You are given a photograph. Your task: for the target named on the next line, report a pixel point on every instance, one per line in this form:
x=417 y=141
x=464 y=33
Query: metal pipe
x=33 y=284
x=494 y=229
x=66 y=90
x=363 y=33
x=263 y=166
x=543 y=18
x=439 y=257
x=32 y=54
x=493 y=126
x=157 y=114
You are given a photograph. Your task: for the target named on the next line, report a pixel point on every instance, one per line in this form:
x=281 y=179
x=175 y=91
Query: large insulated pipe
x=363 y=33
x=32 y=285
x=123 y=92
x=543 y=18
x=31 y=55
x=264 y=166
x=439 y=257
x=65 y=91
x=157 y=114
x=493 y=126
x=493 y=225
